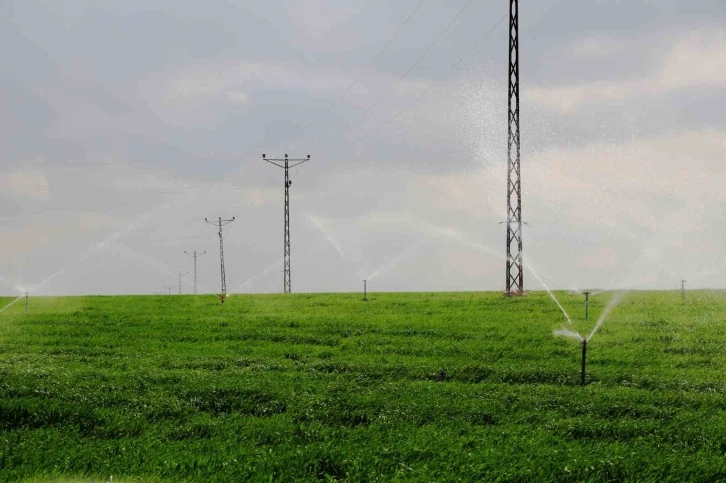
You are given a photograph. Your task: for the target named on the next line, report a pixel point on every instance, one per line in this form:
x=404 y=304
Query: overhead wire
x=400 y=78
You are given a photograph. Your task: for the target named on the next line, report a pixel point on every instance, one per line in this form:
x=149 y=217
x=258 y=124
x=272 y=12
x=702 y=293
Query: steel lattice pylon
x=285 y=164
x=515 y=271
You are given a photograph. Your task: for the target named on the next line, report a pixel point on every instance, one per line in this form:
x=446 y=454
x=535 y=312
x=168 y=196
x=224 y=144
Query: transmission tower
x=220 y=223
x=515 y=265
x=194 y=255
x=286 y=163
x=180 y=276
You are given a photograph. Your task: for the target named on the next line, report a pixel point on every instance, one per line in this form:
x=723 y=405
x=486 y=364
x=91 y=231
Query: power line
x=398 y=81
x=363 y=72
x=432 y=85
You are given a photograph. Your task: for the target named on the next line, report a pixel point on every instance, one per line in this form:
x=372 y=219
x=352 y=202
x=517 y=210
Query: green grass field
x=419 y=387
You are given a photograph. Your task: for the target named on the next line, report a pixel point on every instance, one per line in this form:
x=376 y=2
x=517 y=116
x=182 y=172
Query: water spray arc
x=194 y=255
x=571 y=334
x=515 y=266
x=180 y=280
x=286 y=163
x=220 y=223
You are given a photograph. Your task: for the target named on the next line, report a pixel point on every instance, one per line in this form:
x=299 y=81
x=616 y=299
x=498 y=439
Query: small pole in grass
x=683 y=290
x=26 y=303
x=365 y=289
x=587 y=302
x=584 y=358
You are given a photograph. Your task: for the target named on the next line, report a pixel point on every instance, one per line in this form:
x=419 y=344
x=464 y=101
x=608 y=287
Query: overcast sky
x=124 y=124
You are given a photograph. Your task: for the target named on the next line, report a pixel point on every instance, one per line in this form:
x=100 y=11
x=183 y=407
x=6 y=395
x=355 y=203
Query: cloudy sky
x=124 y=124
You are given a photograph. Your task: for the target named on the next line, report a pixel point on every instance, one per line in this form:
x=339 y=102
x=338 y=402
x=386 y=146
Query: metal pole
x=180 y=276
x=587 y=303
x=365 y=289
x=515 y=263
x=194 y=255
x=285 y=164
x=683 y=291
x=220 y=223
x=26 y=303
x=584 y=357
x=286 y=282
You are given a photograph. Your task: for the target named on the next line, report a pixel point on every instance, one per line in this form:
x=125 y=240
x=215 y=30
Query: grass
x=418 y=387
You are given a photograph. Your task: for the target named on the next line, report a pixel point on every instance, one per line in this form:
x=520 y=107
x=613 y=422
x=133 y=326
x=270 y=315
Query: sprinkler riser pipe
x=584 y=358
x=587 y=304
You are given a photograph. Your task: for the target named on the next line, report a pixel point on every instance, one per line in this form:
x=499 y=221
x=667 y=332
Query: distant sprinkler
x=26 y=303
x=365 y=289
x=683 y=290
x=587 y=302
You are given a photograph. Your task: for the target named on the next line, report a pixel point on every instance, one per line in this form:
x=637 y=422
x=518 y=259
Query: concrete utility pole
x=285 y=163
x=169 y=287
x=220 y=223
x=515 y=264
x=194 y=255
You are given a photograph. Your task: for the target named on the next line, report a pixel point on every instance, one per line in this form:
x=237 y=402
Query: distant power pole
x=515 y=265
x=169 y=287
x=220 y=223
x=180 y=276
x=194 y=255
x=285 y=164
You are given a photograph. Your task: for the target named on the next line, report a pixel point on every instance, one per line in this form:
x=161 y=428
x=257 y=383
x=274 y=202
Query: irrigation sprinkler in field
x=683 y=290
x=26 y=303
x=571 y=334
x=365 y=289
